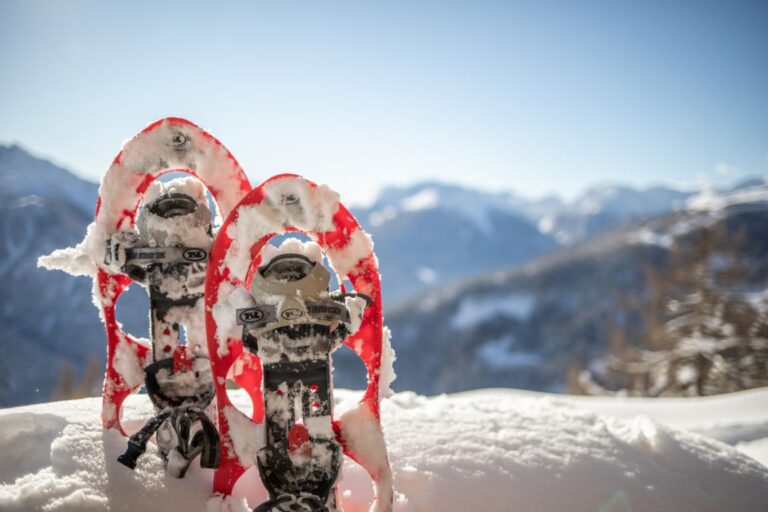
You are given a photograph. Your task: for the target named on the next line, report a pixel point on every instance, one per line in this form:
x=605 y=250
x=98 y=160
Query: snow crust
x=309 y=250
x=387 y=373
x=489 y=450
x=231 y=298
x=247 y=436
x=344 y=259
x=128 y=364
x=362 y=435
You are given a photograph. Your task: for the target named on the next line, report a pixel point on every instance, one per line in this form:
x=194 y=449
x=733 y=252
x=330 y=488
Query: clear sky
x=538 y=97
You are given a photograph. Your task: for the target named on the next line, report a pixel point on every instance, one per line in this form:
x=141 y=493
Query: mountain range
x=46 y=318
x=526 y=326
x=445 y=252
x=431 y=234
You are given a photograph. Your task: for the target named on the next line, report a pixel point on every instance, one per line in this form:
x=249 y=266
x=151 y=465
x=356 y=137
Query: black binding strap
x=204 y=392
x=137 y=443
x=206 y=442
x=282 y=478
x=210 y=456
x=332 y=309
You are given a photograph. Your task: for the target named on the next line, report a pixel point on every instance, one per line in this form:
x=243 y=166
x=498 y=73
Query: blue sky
x=543 y=97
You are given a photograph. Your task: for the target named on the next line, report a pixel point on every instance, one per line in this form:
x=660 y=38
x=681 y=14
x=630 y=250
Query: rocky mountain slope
x=431 y=234
x=46 y=318
x=525 y=326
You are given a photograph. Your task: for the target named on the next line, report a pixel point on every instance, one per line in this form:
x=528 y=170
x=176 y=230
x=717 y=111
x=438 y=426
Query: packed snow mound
x=492 y=450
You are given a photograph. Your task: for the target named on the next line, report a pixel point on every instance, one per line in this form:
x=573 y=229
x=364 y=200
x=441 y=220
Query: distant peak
x=422 y=200
x=712 y=200
x=12 y=148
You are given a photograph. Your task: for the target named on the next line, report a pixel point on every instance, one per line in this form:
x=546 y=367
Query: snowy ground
x=489 y=450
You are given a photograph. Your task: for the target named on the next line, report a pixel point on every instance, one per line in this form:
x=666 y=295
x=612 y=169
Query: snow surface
x=487 y=450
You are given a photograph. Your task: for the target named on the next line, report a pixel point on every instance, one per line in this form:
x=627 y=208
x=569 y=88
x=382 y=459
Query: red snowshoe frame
x=367 y=344
x=203 y=157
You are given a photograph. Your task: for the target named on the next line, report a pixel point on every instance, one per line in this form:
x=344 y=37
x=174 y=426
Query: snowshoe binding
x=167 y=254
x=293 y=327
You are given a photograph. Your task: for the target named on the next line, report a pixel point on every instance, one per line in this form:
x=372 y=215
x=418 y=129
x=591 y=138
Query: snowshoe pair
x=293 y=327
x=274 y=341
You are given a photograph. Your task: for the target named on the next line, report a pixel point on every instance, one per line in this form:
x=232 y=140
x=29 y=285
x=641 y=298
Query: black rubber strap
x=137 y=443
x=211 y=449
x=162 y=400
x=206 y=442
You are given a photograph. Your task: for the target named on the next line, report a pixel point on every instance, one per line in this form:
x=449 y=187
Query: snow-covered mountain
x=525 y=326
x=489 y=450
x=488 y=231
x=606 y=206
x=24 y=175
x=431 y=234
x=428 y=235
x=46 y=318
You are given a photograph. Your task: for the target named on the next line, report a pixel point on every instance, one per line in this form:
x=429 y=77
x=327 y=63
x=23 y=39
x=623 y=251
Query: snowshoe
x=170 y=144
x=294 y=327
x=277 y=338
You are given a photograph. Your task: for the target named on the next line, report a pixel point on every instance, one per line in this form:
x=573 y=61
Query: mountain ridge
x=48 y=320
x=523 y=327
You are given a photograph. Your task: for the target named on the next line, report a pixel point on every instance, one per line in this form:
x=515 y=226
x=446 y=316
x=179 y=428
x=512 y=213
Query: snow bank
x=489 y=450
